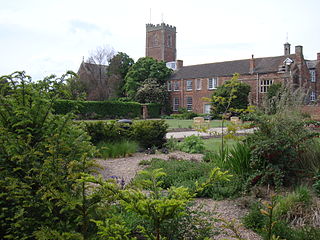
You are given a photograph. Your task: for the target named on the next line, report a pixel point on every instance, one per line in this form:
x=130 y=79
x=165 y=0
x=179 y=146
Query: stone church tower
x=161 y=42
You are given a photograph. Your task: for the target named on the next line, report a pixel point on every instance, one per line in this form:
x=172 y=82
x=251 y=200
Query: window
x=155 y=41
x=169 y=86
x=264 y=85
x=175 y=104
x=207 y=108
x=198 y=84
x=313 y=75
x=212 y=83
x=169 y=40
x=312 y=96
x=189 y=85
x=189 y=103
x=176 y=86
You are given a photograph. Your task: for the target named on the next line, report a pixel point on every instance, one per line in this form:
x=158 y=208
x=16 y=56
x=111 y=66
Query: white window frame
x=212 y=83
x=204 y=108
x=189 y=102
x=176 y=86
x=169 y=84
x=265 y=84
x=198 y=84
x=189 y=85
x=313 y=75
x=176 y=102
x=313 y=96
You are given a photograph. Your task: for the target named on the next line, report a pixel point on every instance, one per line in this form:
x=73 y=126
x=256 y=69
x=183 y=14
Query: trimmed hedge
x=154 y=110
x=147 y=133
x=104 y=109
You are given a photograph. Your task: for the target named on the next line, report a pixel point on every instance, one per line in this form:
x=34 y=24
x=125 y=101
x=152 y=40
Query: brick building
x=189 y=84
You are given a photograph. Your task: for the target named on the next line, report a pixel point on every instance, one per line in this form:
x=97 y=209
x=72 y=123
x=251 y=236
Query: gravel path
x=126 y=168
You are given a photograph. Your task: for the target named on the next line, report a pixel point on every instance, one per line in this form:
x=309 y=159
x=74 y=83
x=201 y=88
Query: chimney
x=252 y=64
x=287 y=48
x=179 y=64
x=299 y=50
x=318 y=56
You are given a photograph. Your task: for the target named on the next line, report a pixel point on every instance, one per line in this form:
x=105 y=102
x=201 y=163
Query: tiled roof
x=262 y=65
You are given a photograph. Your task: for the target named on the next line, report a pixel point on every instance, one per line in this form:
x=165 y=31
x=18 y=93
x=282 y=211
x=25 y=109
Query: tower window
x=155 y=40
x=313 y=75
x=169 y=41
x=264 y=85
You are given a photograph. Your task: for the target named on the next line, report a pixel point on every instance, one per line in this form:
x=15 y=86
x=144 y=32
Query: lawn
x=214 y=144
x=177 y=123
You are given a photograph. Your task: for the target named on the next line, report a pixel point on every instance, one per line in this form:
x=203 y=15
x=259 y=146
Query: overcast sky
x=46 y=37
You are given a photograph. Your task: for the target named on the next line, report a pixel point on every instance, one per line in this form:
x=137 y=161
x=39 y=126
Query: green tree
x=118 y=68
x=152 y=92
x=143 y=69
x=73 y=88
x=231 y=97
x=42 y=159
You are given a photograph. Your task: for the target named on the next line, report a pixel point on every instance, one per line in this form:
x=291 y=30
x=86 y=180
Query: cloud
x=78 y=25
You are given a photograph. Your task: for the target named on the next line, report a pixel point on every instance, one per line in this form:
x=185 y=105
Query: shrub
x=99 y=109
x=154 y=110
x=316 y=185
x=118 y=149
x=108 y=131
x=149 y=133
x=192 y=144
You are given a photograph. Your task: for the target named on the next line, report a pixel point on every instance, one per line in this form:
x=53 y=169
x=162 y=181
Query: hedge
x=154 y=110
x=98 y=109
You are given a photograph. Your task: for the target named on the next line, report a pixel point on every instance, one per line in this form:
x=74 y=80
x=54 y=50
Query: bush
x=192 y=144
x=154 y=110
x=118 y=149
x=150 y=133
x=99 y=109
x=108 y=131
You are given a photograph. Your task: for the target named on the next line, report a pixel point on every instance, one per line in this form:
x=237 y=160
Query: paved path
x=211 y=132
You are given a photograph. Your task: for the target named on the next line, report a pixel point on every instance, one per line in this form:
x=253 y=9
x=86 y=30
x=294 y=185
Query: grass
x=214 y=144
x=177 y=123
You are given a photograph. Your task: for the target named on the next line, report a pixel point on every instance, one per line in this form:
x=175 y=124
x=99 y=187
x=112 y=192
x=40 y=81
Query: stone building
x=190 y=84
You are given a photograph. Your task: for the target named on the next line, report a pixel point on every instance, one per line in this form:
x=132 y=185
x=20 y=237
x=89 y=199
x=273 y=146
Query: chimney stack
x=299 y=50
x=287 y=48
x=252 y=64
x=179 y=64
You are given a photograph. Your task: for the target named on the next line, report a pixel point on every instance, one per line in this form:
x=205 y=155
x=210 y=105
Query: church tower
x=161 y=42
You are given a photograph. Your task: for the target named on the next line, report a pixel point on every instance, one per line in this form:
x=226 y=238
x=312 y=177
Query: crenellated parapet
x=152 y=27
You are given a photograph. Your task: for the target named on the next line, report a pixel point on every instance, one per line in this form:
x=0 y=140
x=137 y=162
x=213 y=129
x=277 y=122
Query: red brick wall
x=313 y=110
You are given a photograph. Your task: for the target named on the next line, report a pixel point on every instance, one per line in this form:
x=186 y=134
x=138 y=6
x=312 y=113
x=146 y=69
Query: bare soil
x=126 y=168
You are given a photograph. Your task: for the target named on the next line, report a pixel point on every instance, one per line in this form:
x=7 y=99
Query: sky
x=44 y=37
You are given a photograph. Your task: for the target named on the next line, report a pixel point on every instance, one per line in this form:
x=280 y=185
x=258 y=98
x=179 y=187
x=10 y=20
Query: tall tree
x=118 y=69
x=143 y=69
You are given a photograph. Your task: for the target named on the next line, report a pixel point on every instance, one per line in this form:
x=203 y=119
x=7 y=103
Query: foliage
x=108 y=131
x=42 y=159
x=73 y=88
x=172 y=144
x=143 y=69
x=98 y=109
x=192 y=144
x=154 y=110
x=278 y=146
x=119 y=66
x=149 y=133
x=157 y=207
x=316 y=185
x=232 y=96
x=117 y=149
x=151 y=91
